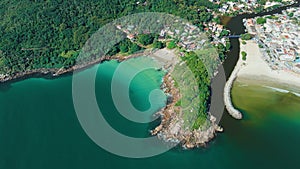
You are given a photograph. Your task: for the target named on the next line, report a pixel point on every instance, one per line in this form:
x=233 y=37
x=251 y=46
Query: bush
x=244 y=42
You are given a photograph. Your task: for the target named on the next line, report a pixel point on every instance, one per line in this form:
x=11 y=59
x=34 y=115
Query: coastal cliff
x=173 y=128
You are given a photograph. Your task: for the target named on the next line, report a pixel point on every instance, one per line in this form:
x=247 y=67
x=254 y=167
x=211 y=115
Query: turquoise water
x=39 y=129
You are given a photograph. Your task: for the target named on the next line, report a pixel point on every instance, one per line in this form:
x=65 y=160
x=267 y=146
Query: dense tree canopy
x=196 y=65
x=146 y=39
x=158 y=44
x=49 y=34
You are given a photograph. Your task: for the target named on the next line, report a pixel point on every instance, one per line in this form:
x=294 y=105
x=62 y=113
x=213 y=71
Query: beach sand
x=256 y=69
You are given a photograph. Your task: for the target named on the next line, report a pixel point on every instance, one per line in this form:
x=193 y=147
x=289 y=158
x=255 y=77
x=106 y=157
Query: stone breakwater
x=227 y=91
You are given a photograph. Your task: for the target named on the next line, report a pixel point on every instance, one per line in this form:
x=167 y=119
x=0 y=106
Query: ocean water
x=272 y=116
x=39 y=128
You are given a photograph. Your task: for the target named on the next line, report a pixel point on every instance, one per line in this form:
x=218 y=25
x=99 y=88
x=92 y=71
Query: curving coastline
x=171 y=128
x=54 y=72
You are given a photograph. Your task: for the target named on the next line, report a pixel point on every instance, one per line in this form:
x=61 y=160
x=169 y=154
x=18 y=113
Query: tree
x=114 y=50
x=124 y=45
x=145 y=39
x=291 y=14
x=228 y=45
x=244 y=55
x=261 y=21
x=158 y=45
x=171 y=45
x=134 y=48
x=246 y=36
x=124 y=48
x=224 y=33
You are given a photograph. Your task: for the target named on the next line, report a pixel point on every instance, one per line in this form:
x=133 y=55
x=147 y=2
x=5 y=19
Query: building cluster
x=188 y=36
x=247 y=6
x=215 y=32
x=279 y=38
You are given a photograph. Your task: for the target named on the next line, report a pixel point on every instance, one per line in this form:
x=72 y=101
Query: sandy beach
x=255 y=68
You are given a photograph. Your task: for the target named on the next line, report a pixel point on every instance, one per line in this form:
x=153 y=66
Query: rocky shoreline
x=171 y=128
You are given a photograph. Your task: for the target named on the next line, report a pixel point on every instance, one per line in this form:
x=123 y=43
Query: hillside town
x=279 y=38
x=187 y=36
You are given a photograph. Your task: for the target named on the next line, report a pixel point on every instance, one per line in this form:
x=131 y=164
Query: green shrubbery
x=171 y=45
x=246 y=36
x=159 y=45
x=244 y=56
x=261 y=21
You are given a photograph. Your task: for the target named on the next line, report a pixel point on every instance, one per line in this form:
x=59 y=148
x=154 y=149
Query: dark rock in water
x=169 y=99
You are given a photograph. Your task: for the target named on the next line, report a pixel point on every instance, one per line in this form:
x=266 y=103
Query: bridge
x=233 y=36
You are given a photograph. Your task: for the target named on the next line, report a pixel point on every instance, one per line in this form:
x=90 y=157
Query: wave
x=277 y=89
x=282 y=90
x=297 y=94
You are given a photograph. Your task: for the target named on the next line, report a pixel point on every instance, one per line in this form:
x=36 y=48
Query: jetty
x=227 y=92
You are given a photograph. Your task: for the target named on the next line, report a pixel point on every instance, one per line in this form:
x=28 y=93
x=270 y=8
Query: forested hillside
x=50 y=33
